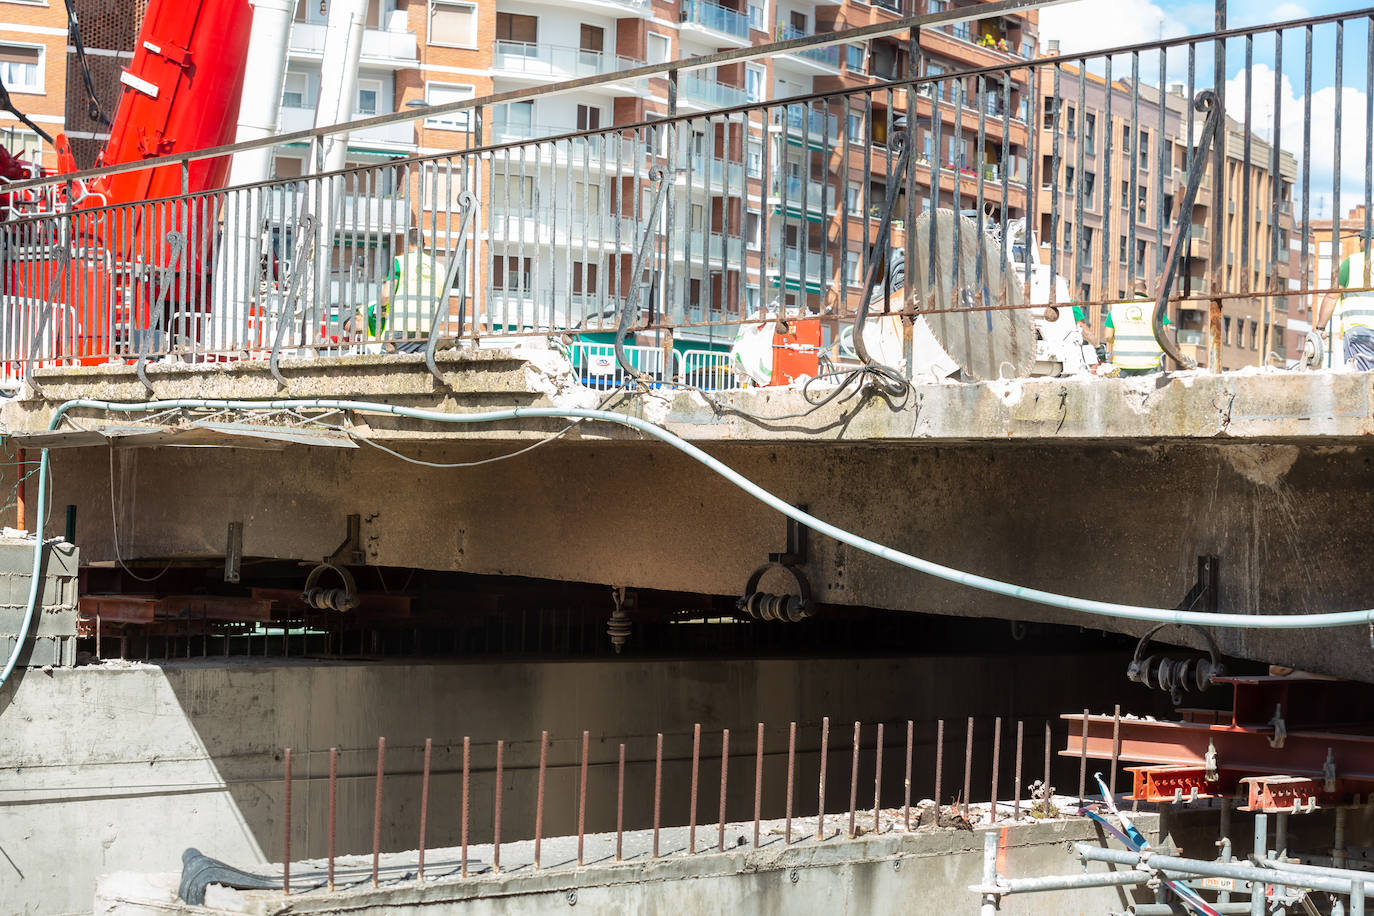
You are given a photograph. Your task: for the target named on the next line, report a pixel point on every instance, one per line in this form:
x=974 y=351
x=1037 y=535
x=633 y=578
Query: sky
x=1089 y=25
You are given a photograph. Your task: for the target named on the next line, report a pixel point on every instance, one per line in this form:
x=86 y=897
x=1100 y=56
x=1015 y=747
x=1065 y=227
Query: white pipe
x=343 y=49
x=259 y=116
x=1260 y=620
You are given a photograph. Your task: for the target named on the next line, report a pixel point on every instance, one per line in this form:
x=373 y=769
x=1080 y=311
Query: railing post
x=1218 y=195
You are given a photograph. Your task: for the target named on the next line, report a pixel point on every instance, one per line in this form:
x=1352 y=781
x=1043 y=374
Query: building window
x=854 y=58
x=1125 y=138
x=1073 y=122
x=1089 y=133
x=1144 y=150
x=444 y=94
x=1085 y=239
x=588 y=117
x=853 y=268
x=452 y=25
x=510 y=273
x=369 y=98
x=515 y=119
x=853 y=196
x=754 y=159
x=295 y=91
x=753 y=224
x=1089 y=184
x=518 y=196
x=856 y=127
x=1254 y=335
x=754 y=78
x=584 y=278
x=1121 y=250
x=1226 y=330
x=518 y=29
x=21 y=68
x=660 y=48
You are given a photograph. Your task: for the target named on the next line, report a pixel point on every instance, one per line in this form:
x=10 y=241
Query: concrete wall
x=116 y=768
x=1122 y=524
x=924 y=872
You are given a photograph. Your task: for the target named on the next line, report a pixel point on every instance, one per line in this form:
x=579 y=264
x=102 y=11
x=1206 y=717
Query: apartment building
x=33 y=68
x=1112 y=169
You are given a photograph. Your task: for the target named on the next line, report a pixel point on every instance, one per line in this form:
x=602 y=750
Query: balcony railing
x=379 y=45
x=800 y=119
x=829 y=56
x=555 y=60
x=709 y=92
x=814 y=195
x=387 y=136
x=717 y=18
x=724 y=172
x=817 y=264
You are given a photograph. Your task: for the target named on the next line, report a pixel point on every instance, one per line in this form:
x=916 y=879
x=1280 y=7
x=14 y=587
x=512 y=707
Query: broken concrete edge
x=838 y=850
x=1246 y=405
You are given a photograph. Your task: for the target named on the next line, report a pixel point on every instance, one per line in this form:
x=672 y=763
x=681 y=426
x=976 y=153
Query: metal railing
x=435 y=246
x=715 y=17
x=830 y=56
x=555 y=60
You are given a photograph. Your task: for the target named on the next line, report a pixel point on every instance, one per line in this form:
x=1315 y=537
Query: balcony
x=821 y=60
x=972 y=33
x=716 y=22
x=386 y=138
x=815 y=126
x=700 y=245
x=1199 y=242
x=545 y=61
x=603 y=150
x=708 y=93
x=391 y=48
x=789 y=267
x=718 y=172
x=892 y=6
x=617 y=7
x=815 y=196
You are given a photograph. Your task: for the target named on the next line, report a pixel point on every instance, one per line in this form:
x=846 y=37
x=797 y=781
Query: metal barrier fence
x=1101 y=174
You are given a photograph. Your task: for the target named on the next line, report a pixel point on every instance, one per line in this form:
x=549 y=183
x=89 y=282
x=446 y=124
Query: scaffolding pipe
x=1180 y=867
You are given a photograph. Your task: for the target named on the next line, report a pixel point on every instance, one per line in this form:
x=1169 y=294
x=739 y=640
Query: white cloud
x=1287 y=11
x=1354 y=138
x=1087 y=25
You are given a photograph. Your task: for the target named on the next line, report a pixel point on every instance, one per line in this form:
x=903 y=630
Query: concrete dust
x=1262 y=465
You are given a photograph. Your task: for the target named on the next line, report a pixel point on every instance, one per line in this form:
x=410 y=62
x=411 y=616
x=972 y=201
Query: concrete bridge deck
x=1099 y=488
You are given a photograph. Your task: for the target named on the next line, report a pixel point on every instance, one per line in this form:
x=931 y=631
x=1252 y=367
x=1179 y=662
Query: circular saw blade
x=986 y=343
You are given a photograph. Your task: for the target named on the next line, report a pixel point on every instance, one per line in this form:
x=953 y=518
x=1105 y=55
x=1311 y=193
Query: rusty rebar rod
x=1016 y=788
x=791 y=774
x=906 y=783
x=724 y=770
x=466 y=806
x=1083 y=764
x=968 y=766
x=939 y=762
x=878 y=780
x=620 y=807
x=696 y=767
x=333 y=809
x=496 y=808
x=424 y=807
x=539 y=797
x=758 y=782
x=582 y=798
x=286 y=821
x=854 y=780
x=820 y=801
x=658 y=787
x=377 y=811
x=1116 y=745
x=996 y=765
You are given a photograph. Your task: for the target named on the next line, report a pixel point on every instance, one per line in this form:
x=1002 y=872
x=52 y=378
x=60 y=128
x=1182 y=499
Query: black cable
x=74 y=33
x=7 y=104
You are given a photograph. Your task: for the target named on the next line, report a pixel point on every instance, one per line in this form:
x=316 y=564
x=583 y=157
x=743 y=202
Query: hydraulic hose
x=1256 y=621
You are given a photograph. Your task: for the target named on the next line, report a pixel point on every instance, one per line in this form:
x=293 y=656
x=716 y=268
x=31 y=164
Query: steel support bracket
x=764 y=606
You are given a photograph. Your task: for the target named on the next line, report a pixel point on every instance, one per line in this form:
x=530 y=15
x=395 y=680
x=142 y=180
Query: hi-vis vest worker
x=1355 y=310
x=1133 y=341
x=407 y=296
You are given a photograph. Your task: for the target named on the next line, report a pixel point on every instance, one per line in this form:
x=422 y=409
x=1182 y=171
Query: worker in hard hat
x=1131 y=335
x=1354 y=313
